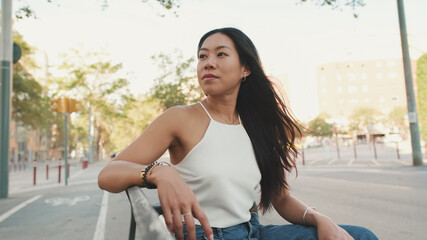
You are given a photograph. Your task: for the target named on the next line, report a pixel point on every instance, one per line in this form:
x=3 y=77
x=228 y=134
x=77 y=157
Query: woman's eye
x=202 y=56
x=221 y=54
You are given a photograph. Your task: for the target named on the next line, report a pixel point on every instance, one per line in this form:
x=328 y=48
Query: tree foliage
x=25 y=11
x=177 y=85
x=96 y=82
x=30 y=107
x=422 y=93
x=364 y=117
x=339 y=4
x=318 y=127
x=139 y=112
x=396 y=118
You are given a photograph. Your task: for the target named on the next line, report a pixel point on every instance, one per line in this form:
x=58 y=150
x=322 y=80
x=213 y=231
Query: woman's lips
x=209 y=77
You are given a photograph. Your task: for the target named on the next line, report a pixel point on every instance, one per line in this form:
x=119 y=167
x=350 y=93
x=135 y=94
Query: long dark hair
x=266 y=118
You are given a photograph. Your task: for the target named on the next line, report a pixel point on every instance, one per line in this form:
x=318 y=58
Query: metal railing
x=145 y=222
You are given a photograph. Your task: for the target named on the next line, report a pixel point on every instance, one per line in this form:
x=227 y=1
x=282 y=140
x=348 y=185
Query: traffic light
x=55 y=105
x=64 y=105
x=72 y=105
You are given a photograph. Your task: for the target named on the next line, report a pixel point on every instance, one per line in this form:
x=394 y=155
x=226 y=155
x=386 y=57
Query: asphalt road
x=390 y=200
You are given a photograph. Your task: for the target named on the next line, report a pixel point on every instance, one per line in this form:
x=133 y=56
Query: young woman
x=239 y=137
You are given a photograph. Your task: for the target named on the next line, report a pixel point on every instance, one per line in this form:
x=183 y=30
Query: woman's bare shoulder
x=182 y=111
x=179 y=115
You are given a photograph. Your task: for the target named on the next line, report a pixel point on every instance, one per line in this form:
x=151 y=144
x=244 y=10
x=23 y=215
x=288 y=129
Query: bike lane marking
x=102 y=219
x=17 y=208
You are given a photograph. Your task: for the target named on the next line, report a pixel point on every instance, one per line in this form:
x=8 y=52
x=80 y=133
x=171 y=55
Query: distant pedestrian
x=238 y=140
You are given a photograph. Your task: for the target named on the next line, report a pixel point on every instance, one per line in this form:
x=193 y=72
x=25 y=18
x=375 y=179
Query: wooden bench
x=145 y=216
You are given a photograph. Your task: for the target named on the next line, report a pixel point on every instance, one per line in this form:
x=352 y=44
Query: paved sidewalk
x=23 y=180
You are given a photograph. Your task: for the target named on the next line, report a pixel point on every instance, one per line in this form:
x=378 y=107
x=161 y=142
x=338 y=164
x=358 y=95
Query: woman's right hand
x=178 y=203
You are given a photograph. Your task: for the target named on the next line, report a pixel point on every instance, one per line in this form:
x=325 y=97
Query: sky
x=291 y=38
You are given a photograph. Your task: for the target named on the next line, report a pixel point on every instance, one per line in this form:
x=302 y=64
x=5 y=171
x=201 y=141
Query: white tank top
x=223 y=173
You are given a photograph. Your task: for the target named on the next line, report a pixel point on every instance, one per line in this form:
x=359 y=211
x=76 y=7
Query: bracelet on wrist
x=144 y=173
x=305 y=214
x=147 y=172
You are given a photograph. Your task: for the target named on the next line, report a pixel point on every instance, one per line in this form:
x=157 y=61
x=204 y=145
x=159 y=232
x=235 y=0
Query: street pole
x=417 y=157
x=6 y=76
x=90 y=134
x=66 y=148
x=338 y=148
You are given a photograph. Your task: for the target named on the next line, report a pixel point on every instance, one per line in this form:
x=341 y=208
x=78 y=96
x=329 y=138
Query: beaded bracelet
x=144 y=172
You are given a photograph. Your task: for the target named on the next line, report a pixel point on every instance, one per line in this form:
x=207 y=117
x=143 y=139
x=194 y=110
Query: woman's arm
x=124 y=171
x=119 y=175
x=175 y=196
x=292 y=210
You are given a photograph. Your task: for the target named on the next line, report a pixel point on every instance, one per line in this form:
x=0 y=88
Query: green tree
x=422 y=94
x=363 y=117
x=396 y=118
x=318 y=127
x=24 y=10
x=139 y=112
x=30 y=107
x=97 y=83
x=339 y=4
x=177 y=85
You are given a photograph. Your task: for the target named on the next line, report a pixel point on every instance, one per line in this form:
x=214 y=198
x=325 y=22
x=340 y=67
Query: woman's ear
x=246 y=71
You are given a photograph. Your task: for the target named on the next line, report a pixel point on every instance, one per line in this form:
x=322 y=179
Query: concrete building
x=346 y=86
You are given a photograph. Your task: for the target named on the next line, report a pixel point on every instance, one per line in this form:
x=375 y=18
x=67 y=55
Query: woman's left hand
x=328 y=230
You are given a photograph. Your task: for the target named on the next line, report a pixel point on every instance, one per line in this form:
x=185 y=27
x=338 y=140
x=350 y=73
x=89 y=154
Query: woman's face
x=219 y=70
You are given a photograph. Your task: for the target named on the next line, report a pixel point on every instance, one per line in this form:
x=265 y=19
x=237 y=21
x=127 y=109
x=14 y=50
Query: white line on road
x=402 y=162
x=357 y=182
x=17 y=208
x=332 y=161
x=100 y=225
x=314 y=161
x=351 y=162
x=376 y=162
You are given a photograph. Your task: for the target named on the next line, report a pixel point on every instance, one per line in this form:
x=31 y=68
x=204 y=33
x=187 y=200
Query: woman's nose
x=209 y=63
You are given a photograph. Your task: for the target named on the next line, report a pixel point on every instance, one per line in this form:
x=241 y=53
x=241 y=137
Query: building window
x=382 y=99
x=354 y=100
x=379 y=75
x=324 y=90
x=323 y=79
x=364 y=76
x=365 y=88
x=379 y=64
x=367 y=100
x=339 y=89
x=391 y=63
x=352 y=89
x=339 y=77
x=392 y=75
x=351 y=76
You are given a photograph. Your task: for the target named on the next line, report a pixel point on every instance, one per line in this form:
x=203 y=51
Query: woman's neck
x=224 y=108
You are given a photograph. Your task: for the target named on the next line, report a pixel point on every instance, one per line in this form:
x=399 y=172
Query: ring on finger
x=186 y=214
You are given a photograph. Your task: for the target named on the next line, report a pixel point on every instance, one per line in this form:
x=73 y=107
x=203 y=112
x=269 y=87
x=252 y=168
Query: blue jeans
x=252 y=230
